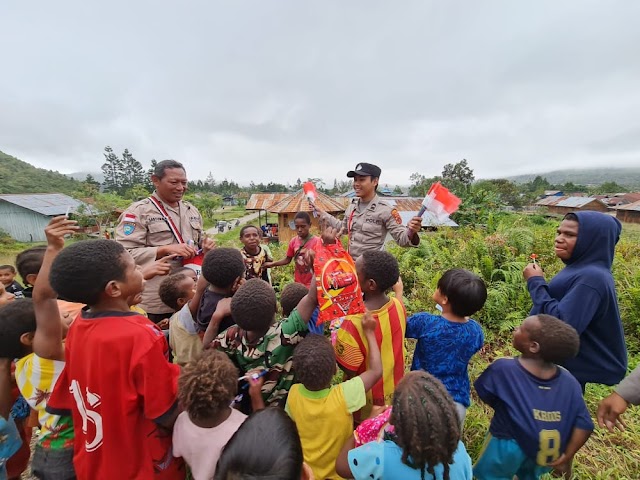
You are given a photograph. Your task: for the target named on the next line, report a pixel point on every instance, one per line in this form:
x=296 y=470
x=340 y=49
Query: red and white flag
x=440 y=202
x=129 y=217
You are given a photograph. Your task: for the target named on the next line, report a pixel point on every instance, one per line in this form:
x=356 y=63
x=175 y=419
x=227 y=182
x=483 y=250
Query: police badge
x=128 y=228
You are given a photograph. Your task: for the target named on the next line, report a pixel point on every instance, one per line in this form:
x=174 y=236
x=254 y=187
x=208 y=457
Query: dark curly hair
x=465 y=291
x=81 y=271
x=29 y=262
x=223 y=266
x=291 y=296
x=207 y=385
x=382 y=267
x=253 y=306
x=426 y=423
x=273 y=443
x=170 y=292
x=314 y=362
x=16 y=318
x=558 y=340
x=304 y=216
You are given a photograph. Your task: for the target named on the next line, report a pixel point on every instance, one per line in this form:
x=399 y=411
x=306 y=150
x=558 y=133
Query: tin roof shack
x=629 y=213
x=287 y=208
x=24 y=216
x=564 y=205
x=262 y=202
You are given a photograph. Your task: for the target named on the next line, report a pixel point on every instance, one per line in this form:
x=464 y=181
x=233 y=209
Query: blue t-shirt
x=538 y=414
x=381 y=460
x=444 y=349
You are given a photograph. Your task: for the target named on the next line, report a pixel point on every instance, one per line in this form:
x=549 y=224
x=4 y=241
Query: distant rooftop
x=50 y=204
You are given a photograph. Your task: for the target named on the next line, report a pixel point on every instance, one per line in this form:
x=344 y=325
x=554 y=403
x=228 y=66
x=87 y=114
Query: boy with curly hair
x=323 y=413
x=540 y=419
x=206 y=388
x=377 y=272
x=117 y=382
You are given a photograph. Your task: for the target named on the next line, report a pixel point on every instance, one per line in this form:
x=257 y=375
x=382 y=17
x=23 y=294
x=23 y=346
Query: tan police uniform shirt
x=142 y=229
x=368 y=229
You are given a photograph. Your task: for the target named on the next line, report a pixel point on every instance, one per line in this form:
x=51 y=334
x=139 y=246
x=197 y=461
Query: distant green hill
x=627 y=177
x=17 y=176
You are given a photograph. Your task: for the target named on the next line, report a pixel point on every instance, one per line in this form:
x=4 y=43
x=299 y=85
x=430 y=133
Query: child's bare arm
x=398 y=289
x=371 y=376
x=194 y=303
x=563 y=464
x=279 y=263
x=308 y=304
x=223 y=309
x=342 y=462
x=5 y=388
x=162 y=266
x=47 y=342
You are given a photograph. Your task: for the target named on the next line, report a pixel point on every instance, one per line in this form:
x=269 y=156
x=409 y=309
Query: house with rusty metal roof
x=24 y=216
x=288 y=206
x=564 y=205
x=629 y=213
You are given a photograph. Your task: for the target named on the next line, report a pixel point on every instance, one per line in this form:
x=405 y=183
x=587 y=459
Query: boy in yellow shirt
x=323 y=413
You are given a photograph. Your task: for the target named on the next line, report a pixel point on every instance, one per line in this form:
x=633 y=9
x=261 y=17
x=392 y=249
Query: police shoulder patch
x=396 y=216
x=128 y=228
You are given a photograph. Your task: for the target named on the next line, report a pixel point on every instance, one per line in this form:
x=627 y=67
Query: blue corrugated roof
x=49 y=204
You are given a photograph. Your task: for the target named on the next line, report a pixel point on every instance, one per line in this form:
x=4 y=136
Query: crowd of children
x=248 y=395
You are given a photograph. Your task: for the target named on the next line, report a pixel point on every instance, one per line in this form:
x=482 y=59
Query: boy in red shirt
x=117 y=382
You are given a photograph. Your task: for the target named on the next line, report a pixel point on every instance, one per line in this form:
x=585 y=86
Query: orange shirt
x=352 y=349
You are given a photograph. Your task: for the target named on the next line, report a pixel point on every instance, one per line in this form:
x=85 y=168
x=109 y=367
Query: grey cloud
x=278 y=90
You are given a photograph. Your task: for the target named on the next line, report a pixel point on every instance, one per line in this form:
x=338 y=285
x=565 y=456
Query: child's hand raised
x=57 y=229
x=159 y=267
x=369 y=323
x=328 y=233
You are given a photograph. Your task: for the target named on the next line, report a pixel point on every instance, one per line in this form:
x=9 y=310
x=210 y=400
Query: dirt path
x=246 y=219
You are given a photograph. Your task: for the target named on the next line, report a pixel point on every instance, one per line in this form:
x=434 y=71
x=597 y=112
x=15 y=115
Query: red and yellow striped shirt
x=352 y=349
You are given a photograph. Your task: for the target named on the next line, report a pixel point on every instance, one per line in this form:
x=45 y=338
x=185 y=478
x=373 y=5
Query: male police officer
x=159 y=226
x=368 y=218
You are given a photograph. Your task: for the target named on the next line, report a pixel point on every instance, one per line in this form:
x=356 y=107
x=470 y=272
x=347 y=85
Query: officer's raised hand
x=414 y=226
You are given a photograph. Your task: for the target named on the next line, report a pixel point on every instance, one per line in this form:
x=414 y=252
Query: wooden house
x=629 y=213
x=287 y=208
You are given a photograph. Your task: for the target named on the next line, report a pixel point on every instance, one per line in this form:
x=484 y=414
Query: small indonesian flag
x=310 y=191
x=129 y=217
x=440 y=201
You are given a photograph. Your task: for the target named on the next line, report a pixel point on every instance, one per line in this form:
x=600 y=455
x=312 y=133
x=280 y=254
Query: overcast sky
x=276 y=90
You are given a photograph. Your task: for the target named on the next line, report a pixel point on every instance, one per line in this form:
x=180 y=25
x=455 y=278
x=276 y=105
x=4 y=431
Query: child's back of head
x=17 y=326
x=176 y=290
x=377 y=266
x=208 y=385
x=82 y=270
x=221 y=267
x=558 y=341
x=291 y=296
x=466 y=292
x=254 y=305
x=314 y=362
x=266 y=445
x=29 y=262
x=422 y=404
